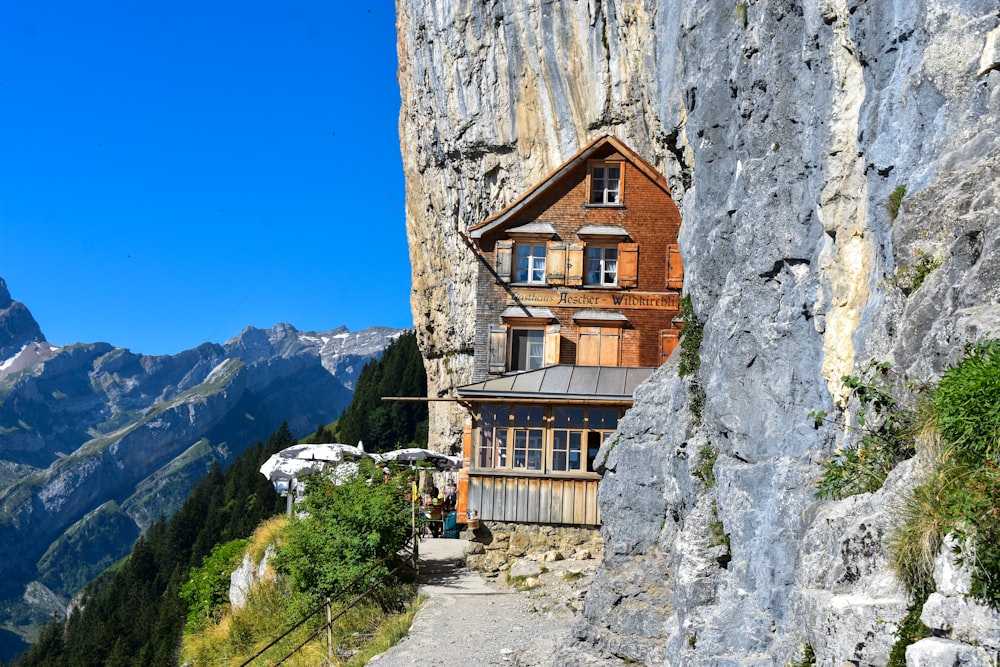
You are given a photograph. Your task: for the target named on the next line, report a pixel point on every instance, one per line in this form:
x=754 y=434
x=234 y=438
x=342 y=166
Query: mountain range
x=98 y=442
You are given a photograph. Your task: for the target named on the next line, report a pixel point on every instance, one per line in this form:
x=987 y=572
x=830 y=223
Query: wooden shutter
x=675 y=267
x=498 y=348
x=555 y=263
x=588 y=347
x=610 y=346
x=668 y=341
x=504 y=251
x=574 y=264
x=552 y=337
x=628 y=264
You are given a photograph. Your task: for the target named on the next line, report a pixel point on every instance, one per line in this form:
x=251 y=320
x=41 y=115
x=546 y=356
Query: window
x=527 y=349
x=598 y=346
x=568 y=434
x=602 y=265
x=493 y=436
x=602 y=423
x=605 y=184
x=519 y=438
x=530 y=263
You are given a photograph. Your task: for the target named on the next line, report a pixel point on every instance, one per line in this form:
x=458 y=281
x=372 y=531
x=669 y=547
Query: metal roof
x=534 y=228
x=602 y=230
x=599 y=315
x=563 y=382
x=533 y=312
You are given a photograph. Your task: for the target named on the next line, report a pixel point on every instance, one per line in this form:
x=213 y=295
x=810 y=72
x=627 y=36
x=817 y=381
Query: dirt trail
x=470 y=620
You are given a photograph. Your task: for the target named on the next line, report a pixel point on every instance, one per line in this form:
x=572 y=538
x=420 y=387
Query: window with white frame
x=605 y=183
x=527 y=349
x=602 y=265
x=530 y=267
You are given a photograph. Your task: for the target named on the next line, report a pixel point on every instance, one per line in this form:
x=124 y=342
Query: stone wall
x=494 y=546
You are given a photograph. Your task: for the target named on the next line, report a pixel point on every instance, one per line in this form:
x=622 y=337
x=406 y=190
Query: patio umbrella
x=412 y=455
x=301 y=460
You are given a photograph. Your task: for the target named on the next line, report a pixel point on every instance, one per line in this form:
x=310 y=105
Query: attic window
x=605 y=183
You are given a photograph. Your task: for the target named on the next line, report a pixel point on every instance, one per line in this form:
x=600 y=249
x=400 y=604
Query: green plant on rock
x=741 y=13
x=718 y=537
x=909 y=278
x=895 y=200
x=690 y=357
x=911 y=630
x=705 y=470
x=808 y=658
x=691 y=337
x=886 y=437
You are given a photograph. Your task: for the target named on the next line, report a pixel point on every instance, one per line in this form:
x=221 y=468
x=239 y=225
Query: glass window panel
x=501 y=447
x=605 y=419
x=575 y=450
x=520 y=448
x=560 y=449
x=535 y=440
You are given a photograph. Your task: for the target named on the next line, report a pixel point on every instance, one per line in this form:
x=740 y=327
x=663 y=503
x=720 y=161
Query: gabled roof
x=563 y=382
x=498 y=219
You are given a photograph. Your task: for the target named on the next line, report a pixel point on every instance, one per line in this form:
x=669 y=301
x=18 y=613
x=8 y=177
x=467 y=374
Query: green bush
x=968 y=404
x=347 y=528
x=207 y=589
x=961 y=494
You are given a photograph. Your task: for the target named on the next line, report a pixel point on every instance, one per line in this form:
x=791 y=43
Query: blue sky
x=174 y=171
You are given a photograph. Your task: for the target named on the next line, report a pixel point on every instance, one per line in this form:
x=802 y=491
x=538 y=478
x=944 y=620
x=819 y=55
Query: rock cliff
x=784 y=129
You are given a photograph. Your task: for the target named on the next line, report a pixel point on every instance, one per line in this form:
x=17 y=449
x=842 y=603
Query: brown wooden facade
x=580 y=278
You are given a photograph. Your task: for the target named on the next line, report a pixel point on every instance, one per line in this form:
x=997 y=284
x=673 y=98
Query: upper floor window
x=605 y=183
x=527 y=349
x=602 y=265
x=530 y=267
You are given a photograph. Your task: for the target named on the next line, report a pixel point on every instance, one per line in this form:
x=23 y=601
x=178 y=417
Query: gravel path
x=470 y=620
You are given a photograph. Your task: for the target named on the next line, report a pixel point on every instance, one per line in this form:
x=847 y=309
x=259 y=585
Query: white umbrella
x=301 y=460
x=411 y=455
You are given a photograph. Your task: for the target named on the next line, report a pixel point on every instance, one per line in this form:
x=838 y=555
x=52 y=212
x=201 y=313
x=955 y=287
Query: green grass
x=705 y=470
x=895 y=200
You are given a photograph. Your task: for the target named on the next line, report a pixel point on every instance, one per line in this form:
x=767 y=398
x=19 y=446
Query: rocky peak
x=17 y=326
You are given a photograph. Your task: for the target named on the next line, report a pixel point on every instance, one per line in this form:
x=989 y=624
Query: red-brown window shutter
x=504 y=251
x=628 y=264
x=574 y=264
x=675 y=267
x=498 y=348
x=555 y=263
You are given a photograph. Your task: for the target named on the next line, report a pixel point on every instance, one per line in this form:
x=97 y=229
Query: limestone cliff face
x=782 y=128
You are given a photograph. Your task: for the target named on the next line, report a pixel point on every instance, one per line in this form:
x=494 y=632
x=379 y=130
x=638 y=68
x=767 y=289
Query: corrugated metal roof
x=534 y=228
x=579 y=383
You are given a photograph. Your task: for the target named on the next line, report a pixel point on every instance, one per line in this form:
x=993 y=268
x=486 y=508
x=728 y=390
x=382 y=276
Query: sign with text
x=564 y=298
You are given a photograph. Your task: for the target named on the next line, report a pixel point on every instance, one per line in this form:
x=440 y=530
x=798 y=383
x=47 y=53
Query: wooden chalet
x=577 y=300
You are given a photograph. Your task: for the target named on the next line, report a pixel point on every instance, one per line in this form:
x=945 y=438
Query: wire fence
x=409 y=561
